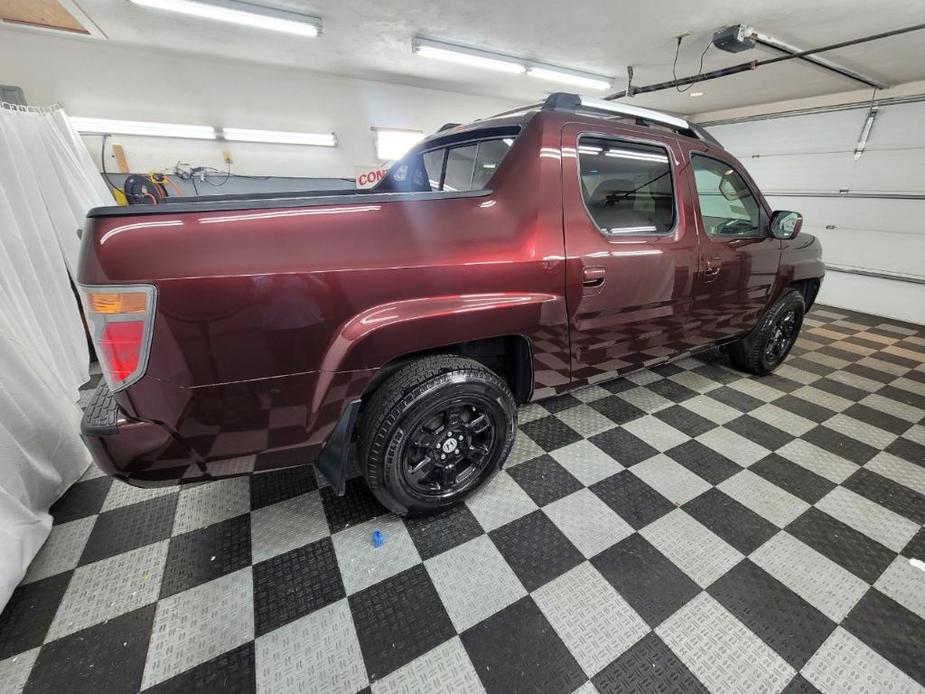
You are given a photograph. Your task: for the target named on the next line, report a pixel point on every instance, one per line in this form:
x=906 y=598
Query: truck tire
x=435 y=430
x=766 y=347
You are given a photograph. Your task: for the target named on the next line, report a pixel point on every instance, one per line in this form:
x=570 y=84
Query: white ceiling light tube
x=279 y=137
x=577 y=79
x=242 y=13
x=134 y=127
x=392 y=143
x=467 y=56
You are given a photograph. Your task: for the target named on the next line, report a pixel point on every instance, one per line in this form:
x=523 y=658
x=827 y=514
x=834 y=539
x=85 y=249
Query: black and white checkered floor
x=687 y=528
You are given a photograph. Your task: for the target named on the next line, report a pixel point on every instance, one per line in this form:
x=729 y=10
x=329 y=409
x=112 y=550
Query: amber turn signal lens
x=118 y=302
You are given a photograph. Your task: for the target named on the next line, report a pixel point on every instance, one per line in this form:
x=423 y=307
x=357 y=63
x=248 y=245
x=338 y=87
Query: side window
x=460 y=162
x=433 y=167
x=489 y=157
x=727 y=206
x=627 y=187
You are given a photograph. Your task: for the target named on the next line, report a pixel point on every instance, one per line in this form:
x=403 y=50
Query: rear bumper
x=141 y=453
x=147 y=454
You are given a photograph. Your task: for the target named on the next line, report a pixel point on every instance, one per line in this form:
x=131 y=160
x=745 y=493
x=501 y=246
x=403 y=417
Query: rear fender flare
x=385 y=332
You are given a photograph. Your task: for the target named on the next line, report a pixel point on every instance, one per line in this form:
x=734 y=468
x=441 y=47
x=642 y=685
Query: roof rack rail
x=448 y=126
x=563 y=101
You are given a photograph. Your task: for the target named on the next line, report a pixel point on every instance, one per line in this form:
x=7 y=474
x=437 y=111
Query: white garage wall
x=100 y=79
x=803 y=162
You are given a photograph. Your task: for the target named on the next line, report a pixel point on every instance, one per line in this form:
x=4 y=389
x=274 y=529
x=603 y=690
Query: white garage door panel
x=876 y=171
x=822 y=132
x=898 y=253
x=868 y=214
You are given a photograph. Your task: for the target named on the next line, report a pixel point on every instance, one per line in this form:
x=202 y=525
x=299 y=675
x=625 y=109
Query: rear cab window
x=627 y=186
x=450 y=167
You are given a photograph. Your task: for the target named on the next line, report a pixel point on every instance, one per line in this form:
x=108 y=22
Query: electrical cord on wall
x=674 y=65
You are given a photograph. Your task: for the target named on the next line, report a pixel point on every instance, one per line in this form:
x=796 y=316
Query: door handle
x=711 y=266
x=593 y=277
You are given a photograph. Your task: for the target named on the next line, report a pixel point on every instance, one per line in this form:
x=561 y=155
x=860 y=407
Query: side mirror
x=786 y=224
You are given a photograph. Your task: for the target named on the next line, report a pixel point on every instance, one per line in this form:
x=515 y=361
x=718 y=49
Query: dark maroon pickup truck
x=500 y=262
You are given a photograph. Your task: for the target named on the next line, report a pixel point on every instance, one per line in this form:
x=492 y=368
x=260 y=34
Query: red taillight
x=120 y=320
x=120 y=345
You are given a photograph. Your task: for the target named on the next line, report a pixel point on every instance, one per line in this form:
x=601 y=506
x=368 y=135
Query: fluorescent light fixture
x=281 y=137
x=392 y=144
x=243 y=13
x=569 y=77
x=134 y=127
x=694 y=95
x=467 y=56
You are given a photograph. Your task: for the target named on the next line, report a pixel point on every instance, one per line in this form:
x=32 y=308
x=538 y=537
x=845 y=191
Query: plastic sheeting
x=47 y=184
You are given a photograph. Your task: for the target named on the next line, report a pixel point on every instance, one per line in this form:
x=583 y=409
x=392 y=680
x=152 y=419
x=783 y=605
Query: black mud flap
x=333 y=459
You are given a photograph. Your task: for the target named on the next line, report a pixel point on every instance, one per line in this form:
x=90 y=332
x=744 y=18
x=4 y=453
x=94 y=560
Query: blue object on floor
x=378 y=538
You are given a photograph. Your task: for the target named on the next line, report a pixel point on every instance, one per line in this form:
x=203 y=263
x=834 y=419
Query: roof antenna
x=629 y=81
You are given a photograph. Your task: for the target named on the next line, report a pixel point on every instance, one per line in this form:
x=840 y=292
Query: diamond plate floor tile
x=891 y=630
x=704 y=462
x=496 y=649
x=585 y=420
x=905 y=584
x=499 y=501
x=689 y=545
x=649 y=666
x=793 y=478
x=898 y=470
x=658 y=434
x=734 y=446
x=635 y=501
x=471 y=596
x=764 y=498
x=814 y=577
x=361 y=564
x=315 y=653
x=105 y=657
x=645 y=578
x=108 y=588
x=82 y=500
x=720 y=651
x=294 y=584
x=128 y=527
x=14 y=671
x=673 y=481
x=586 y=462
x=780 y=617
x=122 y=494
x=589 y=524
x=524 y=449
x=873 y=520
x=398 y=620
x=444 y=670
x=230 y=673
x=286 y=525
x=818 y=460
x=550 y=433
x=544 y=480
x=205 y=504
x=717 y=412
x=203 y=555
x=61 y=550
x=535 y=549
x=590 y=617
x=844 y=665
x=435 y=534
x=200 y=624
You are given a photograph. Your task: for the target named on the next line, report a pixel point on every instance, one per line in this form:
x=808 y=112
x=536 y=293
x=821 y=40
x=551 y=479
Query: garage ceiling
x=369 y=39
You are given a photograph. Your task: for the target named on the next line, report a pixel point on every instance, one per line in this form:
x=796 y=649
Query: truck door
x=631 y=250
x=738 y=256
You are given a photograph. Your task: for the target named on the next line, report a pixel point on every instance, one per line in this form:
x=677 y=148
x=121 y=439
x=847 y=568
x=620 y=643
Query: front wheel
x=766 y=347
x=434 y=431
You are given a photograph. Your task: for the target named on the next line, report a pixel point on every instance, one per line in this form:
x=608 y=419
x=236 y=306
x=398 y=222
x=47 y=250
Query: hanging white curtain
x=47 y=184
